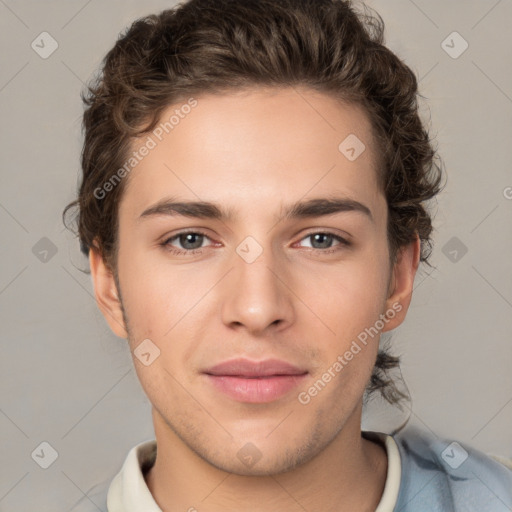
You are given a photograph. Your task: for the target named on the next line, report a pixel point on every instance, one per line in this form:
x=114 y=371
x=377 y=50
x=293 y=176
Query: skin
x=255 y=151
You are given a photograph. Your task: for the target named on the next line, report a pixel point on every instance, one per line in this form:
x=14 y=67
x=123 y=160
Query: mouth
x=255 y=381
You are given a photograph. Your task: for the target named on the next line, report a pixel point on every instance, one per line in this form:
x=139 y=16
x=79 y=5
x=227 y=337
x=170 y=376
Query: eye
x=189 y=241
x=322 y=240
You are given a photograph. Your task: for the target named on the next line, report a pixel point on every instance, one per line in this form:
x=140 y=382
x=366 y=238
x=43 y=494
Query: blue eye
x=191 y=242
x=325 y=239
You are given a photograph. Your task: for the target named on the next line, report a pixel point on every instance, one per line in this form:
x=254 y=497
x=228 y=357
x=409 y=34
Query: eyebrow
x=299 y=210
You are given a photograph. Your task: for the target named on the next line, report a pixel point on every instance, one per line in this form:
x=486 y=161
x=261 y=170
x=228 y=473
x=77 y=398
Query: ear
x=401 y=283
x=106 y=293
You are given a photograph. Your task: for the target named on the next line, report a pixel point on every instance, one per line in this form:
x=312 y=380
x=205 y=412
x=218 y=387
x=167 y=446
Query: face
x=253 y=279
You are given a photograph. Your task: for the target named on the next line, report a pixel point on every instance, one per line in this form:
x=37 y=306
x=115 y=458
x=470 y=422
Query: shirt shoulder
x=440 y=474
x=127 y=490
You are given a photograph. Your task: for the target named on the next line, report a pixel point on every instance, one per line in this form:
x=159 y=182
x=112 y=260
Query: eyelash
x=166 y=243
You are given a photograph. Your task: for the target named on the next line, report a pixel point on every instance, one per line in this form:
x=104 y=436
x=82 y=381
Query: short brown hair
x=204 y=46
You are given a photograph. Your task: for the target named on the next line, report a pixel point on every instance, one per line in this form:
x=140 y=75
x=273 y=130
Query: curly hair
x=214 y=46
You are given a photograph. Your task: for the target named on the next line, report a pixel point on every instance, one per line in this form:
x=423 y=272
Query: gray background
x=67 y=380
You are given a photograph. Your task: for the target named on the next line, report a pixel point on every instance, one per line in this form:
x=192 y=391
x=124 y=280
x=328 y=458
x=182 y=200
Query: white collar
x=128 y=491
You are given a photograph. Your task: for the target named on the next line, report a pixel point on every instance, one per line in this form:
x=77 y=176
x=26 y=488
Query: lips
x=255 y=381
x=255 y=369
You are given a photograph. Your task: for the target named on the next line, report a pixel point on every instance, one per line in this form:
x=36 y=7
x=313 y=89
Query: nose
x=256 y=295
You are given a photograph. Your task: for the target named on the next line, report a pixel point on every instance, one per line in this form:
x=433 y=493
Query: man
x=282 y=140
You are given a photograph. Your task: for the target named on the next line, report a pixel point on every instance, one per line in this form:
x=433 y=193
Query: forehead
x=253 y=149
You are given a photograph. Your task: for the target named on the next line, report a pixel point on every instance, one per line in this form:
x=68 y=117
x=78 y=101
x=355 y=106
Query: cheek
x=361 y=299
x=350 y=306
x=349 y=300
x=157 y=294
x=349 y=296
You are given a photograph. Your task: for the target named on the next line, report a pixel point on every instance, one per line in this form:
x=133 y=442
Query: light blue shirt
x=442 y=475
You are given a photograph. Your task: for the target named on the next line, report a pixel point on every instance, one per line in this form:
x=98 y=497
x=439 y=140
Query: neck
x=349 y=474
